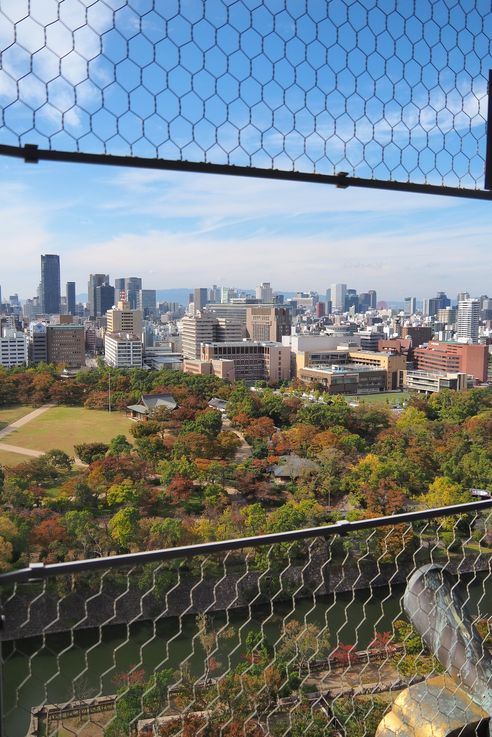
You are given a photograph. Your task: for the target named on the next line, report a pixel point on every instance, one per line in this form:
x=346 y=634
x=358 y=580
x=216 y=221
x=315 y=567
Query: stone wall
x=36 y=608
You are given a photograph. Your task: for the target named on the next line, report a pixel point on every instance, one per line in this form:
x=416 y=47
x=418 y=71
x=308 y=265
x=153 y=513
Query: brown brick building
x=463 y=358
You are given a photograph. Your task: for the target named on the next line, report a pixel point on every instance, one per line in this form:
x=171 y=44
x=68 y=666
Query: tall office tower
x=50 y=284
x=430 y=306
x=467 y=320
x=66 y=345
x=122 y=319
x=410 y=306
x=70 y=292
x=352 y=300
x=373 y=297
x=200 y=298
x=38 y=343
x=462 y=295
x=364 y=301
x=104 y=299
x=268 y=323
x=147 y=301
x=338 y=297
x=197 y=329
x=442 y=301
x=214 y=294
x=264 y=293
x=133 y=284
x=0 y=295
x=95 y=280
x=119 y=290
x=328 y=301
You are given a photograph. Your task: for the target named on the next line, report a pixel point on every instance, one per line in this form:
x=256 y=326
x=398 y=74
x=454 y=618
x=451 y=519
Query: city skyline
x=181 y=230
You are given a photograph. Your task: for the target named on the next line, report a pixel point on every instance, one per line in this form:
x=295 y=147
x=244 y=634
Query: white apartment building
x=123 y=350
x=14 y=349
x=467 y=321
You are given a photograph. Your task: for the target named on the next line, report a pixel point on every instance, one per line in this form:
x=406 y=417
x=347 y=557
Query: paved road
x=24 y=420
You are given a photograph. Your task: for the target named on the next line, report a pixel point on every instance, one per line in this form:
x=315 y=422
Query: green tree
x=119 y=445
x=123 y=527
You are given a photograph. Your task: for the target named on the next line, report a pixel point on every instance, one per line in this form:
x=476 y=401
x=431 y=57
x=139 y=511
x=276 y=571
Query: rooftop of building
x=244 y=343
x=124 y=337
x=346 y=368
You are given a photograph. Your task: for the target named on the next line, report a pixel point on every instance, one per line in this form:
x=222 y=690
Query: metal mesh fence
x=380 y=90
x=304 y=636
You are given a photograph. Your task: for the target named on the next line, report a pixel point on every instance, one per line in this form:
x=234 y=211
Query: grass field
x=64 y=427
x=12 y=459
x=384 y=398
x=11 y=414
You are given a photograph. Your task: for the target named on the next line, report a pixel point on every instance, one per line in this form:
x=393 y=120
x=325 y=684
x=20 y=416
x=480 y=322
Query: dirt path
x=24 y=420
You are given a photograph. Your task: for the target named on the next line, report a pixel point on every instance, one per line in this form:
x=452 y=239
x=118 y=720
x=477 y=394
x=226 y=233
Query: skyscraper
x=104 y=295
x=95 y=280
x=338 y=296
x=133 y=284
x=410 y=306
x=70 y=292
x=467 y=320
x=373 y=298
x=264 y=293
x=50 y=284
x=200 y=297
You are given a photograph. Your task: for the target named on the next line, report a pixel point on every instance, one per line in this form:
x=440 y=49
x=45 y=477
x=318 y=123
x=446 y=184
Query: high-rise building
x=328 y=306
x=453 y=357
x=200 y=298
x=352 y=300
x=467 y=321
x=338 y=297
x=364 y=301
x=197 y=329
x=123 y=350
x=104 y=295
x=71 y=298
x=50 y=284
x=95 y=280
x=133 y=284
x=13 y=348
x=442 y=301
x=119 y=290
x=267 y=323
x=373 y=298
x=146 y=301
x=66 y=345
x=122 y=319
x=38 y=343
x=410 y=307
x=264 y=292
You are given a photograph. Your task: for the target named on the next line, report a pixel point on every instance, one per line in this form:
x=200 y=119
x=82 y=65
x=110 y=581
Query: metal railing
x=283 y=634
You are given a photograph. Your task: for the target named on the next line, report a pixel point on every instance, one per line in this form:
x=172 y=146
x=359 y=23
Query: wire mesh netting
x=307 y=636
x=378 y=89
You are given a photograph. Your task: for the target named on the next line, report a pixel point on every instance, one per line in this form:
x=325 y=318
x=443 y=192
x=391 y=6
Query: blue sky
x=360 y=86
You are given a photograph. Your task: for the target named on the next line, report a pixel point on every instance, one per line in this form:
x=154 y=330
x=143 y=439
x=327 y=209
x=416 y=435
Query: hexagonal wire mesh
x=248 y=637
x=381 y=90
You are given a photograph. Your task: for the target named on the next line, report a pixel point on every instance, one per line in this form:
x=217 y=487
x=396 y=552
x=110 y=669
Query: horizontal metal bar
x=40 y=571
x=32 y=154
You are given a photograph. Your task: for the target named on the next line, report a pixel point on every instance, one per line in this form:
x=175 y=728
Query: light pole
x=109 y=390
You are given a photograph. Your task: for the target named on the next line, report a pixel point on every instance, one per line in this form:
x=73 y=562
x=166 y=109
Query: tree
x=301 y=642
x=123 y=527
x=49 y=531
x=179 y=489
x=90 y=452
x=443 y=493
x=158 y=532
x=125 y=493
x=58 y=460
x=83 y=532
x=119 y=445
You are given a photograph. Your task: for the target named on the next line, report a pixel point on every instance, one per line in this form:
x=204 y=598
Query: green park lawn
x=11 y=414
x=64 y=427
x=12 y=459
